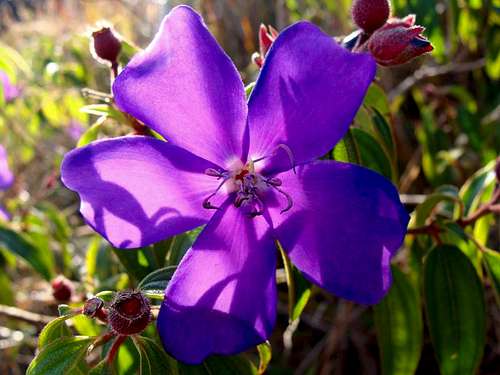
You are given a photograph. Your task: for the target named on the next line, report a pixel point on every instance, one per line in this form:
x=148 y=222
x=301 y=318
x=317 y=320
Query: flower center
x=248 y=187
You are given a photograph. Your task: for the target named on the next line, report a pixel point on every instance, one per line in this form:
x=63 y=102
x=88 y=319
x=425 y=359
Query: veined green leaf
x=153 y=359
x=455 y=306
x=372 y=155
x=492 y=262
x=61 y=357
x=39 y=260
x=398 y=319
x=157 y=280
x=53 y=331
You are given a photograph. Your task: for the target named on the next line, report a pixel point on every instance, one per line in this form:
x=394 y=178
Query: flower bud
x=267 y=36
x=370 y=15
x=129 y=313
x=398 y=42
x=105 y=45
x=94 y=308
x=62 y=289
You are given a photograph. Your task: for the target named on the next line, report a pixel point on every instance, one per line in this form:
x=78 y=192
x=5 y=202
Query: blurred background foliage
x=432 y=126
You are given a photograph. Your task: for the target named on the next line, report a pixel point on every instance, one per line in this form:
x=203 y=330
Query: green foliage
x=41 y=261
x=398 y=319
x=63 y=356
x=455 y=306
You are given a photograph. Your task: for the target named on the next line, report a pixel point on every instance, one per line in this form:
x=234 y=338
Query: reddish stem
x=114 y=348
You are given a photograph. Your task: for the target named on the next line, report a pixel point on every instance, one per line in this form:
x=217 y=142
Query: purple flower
x=10 y=91
x=6 y=180
x=340 y=223
x=75 y=129
x=6 y=176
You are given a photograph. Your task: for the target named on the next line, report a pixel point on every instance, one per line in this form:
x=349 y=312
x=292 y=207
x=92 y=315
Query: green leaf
x=7 y=295
x=249 y=88
x=384 y=131
x=53 y=331
x=455 y=308
x=303 y=292
x=61 y=357
x=345 y=149
x=91 y=133
x=398 y=319
x=137 y=262
x=102 y=368
x=425 y=209
x=157 y=280
x=265 y=355
x=492 y=262
x=153 y=359
x=42 y=262
x=473 y=188
x=372 y=155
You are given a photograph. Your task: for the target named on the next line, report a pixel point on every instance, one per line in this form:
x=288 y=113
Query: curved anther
x=260 y=208
x=274 y=181
x=206 y=202
x=289 y=153
x=214 y=173
x=288 y=199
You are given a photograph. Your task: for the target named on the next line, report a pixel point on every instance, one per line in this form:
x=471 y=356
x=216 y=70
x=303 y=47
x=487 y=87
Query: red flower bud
x=370 y=15
x=94 y=308
x=398 y=42
x=62 y=289
x=105 y=45
x=129 y=313
x=267 y=35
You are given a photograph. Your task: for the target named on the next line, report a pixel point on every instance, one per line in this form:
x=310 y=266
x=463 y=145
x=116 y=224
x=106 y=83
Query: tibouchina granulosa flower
x=6 y=180
x=10 y=91
x=246 y=170
x=6 y=176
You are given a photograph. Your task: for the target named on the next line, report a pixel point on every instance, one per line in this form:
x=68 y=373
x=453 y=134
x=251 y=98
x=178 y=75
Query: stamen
x=288 y=199
x=274 y=181
x=206 y=202
x=288 y=152
x=214 y=173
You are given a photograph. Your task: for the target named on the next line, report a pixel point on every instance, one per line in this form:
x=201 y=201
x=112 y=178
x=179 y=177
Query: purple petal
x=222 y=298
x=306 y=96
x=10 y=91
x=4 y=214
x=137 y=190
x=186 y=88
x=345 y=225
x=6 y=176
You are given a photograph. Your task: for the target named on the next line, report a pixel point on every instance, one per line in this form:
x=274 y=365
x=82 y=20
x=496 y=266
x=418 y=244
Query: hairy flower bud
x=105 y=45
x=94 y=308
x=370 y=15
x=267 y=36
x=129 y=313
x=62 y=289
x=398 y=42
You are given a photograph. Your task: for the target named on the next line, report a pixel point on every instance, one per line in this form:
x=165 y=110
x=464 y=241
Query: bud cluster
x=391 y=41
x=128 y=314
x=267 y=35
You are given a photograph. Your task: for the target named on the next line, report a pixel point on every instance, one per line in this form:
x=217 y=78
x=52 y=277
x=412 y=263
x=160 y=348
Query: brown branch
x=25 y=316
x=433 y=229
x=433 y=71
